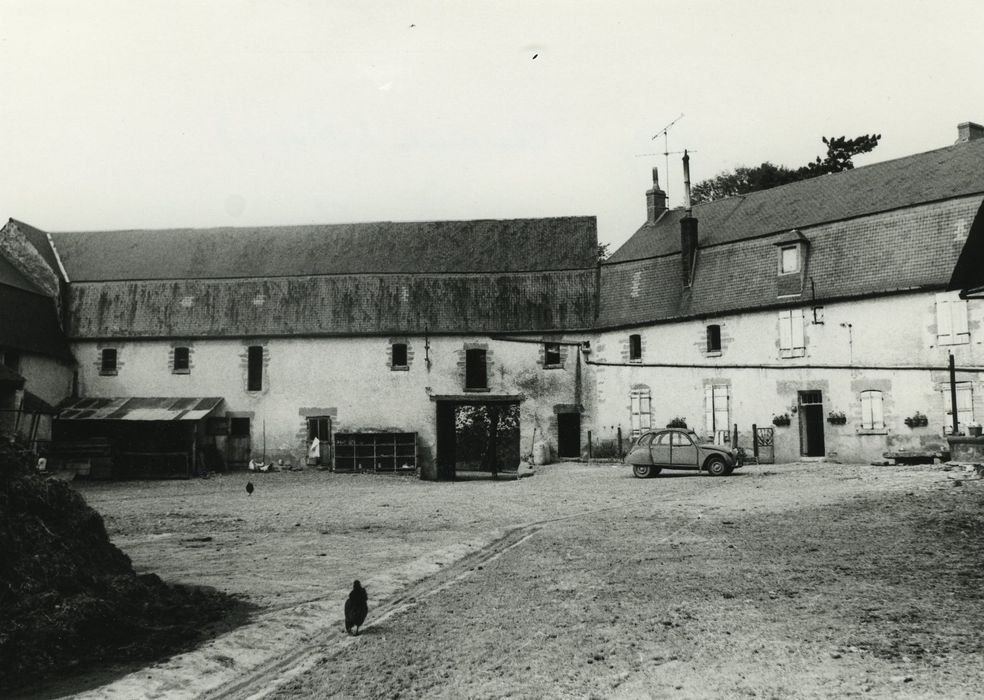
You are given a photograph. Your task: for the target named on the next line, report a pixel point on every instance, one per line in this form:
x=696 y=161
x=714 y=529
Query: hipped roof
x=511 y=245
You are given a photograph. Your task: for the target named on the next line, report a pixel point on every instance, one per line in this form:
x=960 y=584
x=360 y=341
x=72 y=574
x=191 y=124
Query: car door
x=684 y=455
x=639 y=452
x=661 y=450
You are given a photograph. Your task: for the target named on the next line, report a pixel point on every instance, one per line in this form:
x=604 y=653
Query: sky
x=143 y=114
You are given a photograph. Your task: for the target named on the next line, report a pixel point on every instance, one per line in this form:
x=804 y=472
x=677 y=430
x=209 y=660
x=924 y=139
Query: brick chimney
x=969 y=131
x=655 y=200
x=688 y=228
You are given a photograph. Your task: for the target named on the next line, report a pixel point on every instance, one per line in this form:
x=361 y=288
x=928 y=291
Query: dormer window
x=789 y=259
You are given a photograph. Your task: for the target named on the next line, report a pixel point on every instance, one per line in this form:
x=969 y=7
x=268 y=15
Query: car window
x=663 y=439
x=682 y=439
x=645 y=440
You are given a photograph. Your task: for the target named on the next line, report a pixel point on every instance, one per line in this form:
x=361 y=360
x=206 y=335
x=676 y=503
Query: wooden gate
x=764 y=446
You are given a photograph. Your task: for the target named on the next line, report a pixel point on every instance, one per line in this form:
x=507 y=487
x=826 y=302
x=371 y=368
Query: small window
x=551 y=354
x=714 y=338
x=664 y=439
x=872 y=410
x=951 y=320
x=254 y=378
x=108 y=361
x=476 y=372
x=239 y=427
x=681 y=440
x=11 y=359
x=645 y=440
x=635 y=348
x=399 y=359
x=182 y=363
x=788 y=259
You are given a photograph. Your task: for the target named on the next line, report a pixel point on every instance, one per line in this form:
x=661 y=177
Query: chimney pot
x=969 y=131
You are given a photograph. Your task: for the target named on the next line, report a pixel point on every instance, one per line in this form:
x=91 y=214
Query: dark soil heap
x=69 y=599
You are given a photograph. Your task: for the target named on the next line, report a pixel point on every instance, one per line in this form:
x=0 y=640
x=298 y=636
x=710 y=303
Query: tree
x=743 y=179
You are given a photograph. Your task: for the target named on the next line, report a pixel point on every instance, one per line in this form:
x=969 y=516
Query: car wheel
x=717 y=467
x=644 y=471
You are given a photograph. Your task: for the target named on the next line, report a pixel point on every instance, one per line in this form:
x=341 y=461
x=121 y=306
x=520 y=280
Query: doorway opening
x=811 y=423
x=477 y=436
x=569 y=435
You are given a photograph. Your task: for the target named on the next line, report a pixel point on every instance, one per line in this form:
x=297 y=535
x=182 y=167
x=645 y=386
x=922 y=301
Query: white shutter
x=634 y=426
x=796 y=321
x=645 y=411
x=722 y=417
x=965 y=407
x=709 y=409
x=872 y=410
x=785 y=331
x=958 y=316
x=944 y=319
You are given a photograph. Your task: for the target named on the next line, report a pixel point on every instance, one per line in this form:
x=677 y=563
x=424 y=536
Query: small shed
x=134 y=437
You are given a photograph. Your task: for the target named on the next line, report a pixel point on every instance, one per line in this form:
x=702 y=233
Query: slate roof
x=333 y=305
x=29 y=323
x=512 y=245
x=954 y=171
x=39 y=239
x=884 y=228
x=12 y=277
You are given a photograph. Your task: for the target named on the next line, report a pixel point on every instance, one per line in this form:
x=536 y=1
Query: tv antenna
x=664 y=132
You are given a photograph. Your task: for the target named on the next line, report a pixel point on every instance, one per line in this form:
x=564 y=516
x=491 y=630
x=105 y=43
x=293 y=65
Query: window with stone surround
x=872 y=410
x=254 y=368
x=792 y=340
x=551 y=355
x=108 y=361
x=951 y=319
x=476 y=369
x=714 y=338
x=181 y=364
x=398 y=359
x=635 y=348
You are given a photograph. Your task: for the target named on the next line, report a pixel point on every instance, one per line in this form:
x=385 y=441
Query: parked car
x=678 y=448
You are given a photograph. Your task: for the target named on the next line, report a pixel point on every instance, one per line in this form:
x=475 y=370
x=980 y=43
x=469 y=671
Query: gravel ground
x=806 y=580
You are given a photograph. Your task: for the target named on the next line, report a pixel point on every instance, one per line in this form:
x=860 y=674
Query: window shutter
x=958 y=316
x=877 y=410
x=785 y=331
x=709 y=408
x=944 y=321
x=645 y=411
x=796 y=322
x=722 y=400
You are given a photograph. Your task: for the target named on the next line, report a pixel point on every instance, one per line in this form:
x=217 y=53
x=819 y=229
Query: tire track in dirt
x=270 y=677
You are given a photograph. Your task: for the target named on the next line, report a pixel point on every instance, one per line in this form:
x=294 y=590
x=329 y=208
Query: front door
x=319 y=427
x=445 y=440
x=238 y=442
x=569 y=435
x=811 y=424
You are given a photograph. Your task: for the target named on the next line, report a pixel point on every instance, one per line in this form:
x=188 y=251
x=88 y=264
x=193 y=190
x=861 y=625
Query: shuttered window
x=717 y=410
x=641 y=418
x=965 y=407
x=951 y=320
x=872 y=410
x=792 y=340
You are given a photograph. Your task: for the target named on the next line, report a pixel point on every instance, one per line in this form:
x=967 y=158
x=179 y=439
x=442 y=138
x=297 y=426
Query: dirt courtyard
x=803 y=580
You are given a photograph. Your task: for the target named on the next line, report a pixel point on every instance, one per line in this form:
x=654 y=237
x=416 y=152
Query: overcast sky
x=133 y=114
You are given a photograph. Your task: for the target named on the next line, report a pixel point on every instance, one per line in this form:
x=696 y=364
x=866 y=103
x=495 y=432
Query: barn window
x=182 y=361
x=108 y=361
x=551 y=354
x=254 y=369
x=635 y=348
x=872 y=410
x=714 y=338
x=399 y=356
x=476 y=371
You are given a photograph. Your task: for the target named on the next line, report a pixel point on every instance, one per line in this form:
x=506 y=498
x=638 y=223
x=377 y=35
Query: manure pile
x=70 y=601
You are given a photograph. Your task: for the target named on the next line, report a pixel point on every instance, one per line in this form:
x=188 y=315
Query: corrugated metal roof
x=495 y=246
x=133 y=408
x=955 y=171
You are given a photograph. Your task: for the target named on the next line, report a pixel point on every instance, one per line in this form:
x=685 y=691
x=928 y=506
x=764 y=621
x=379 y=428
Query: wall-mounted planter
x=836 y=418
x=781 y=421
x=917 y=421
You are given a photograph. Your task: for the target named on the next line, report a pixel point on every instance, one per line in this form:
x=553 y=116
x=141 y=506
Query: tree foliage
x=743 y=179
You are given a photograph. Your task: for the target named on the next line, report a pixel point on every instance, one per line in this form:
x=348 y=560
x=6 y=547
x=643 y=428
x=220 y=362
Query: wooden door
x=569 y=435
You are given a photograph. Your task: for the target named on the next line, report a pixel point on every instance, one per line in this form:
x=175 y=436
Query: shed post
x=953 y=394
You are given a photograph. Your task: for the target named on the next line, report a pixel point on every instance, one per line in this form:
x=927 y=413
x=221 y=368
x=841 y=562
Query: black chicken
x=356 y=608
x=249 y=488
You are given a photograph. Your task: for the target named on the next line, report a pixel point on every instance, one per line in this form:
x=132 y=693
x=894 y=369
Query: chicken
x=249 y=488
x=356 y=608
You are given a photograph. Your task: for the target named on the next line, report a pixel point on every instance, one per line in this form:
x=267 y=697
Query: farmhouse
x=810 y=321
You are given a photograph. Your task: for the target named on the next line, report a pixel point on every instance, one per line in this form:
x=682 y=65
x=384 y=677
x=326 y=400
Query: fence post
x=755 y=441
x=590 y=451
x=620 y=442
